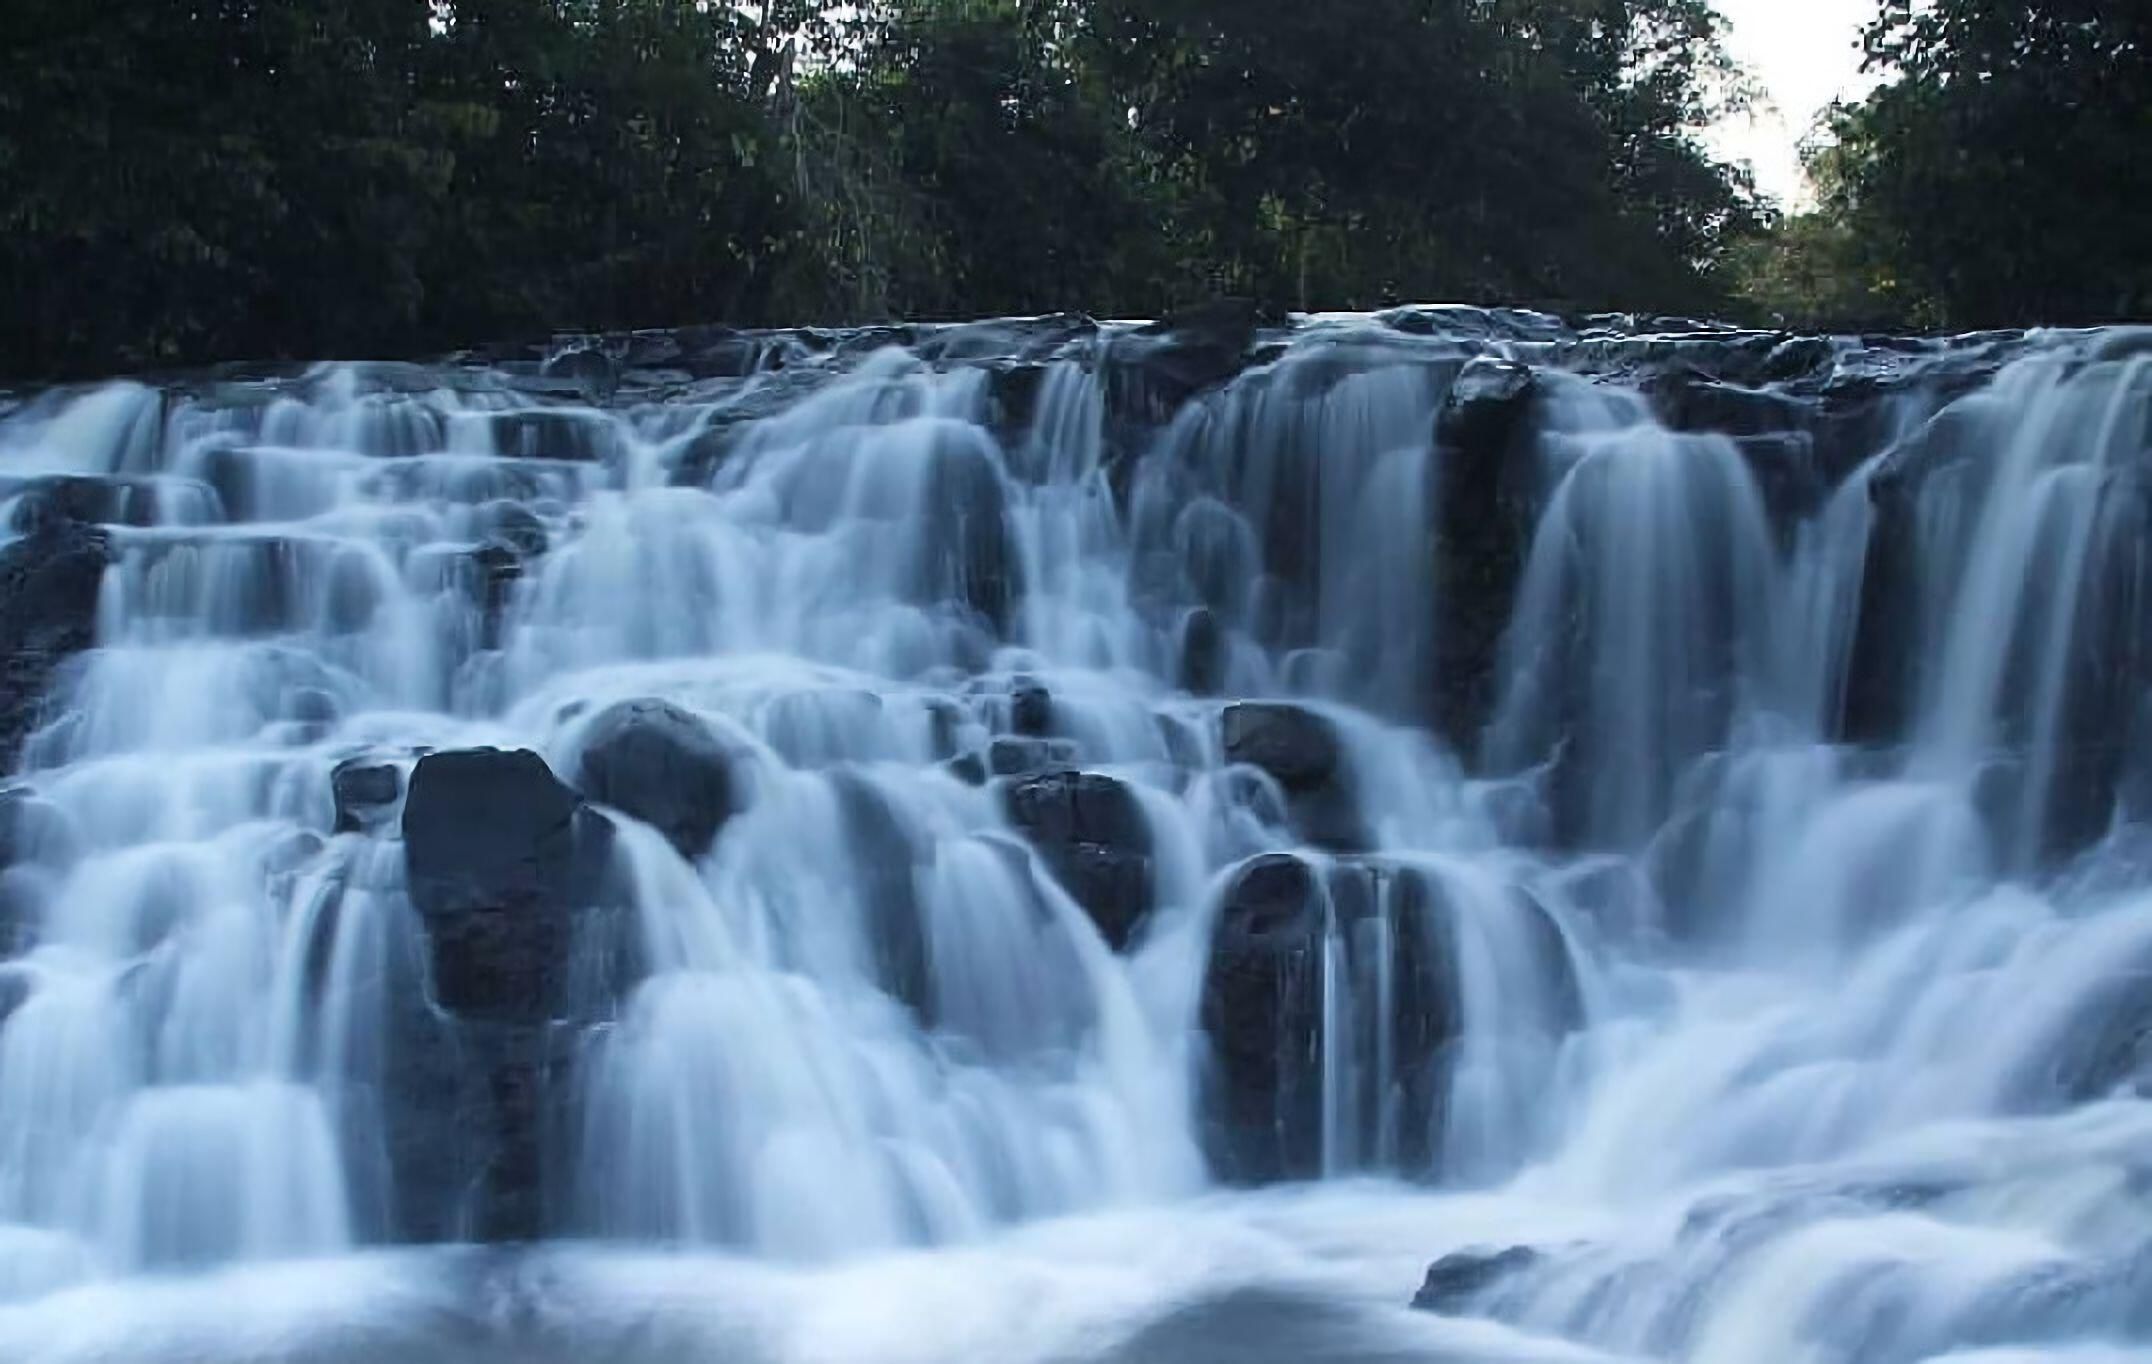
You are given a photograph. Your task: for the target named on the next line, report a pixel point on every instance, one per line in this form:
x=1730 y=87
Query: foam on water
x=1771 y=1040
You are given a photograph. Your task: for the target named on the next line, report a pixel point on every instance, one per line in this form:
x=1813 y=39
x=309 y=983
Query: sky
x=1804 y=53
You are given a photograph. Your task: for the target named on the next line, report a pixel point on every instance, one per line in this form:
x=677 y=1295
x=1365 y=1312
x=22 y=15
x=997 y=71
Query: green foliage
x=192 y=179
x=2001 y=176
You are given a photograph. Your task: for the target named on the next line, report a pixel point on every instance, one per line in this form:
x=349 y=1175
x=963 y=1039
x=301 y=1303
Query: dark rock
x=49 y=585
x=663 y=765
x=1013 y=390
x=1262 y=1010
x=1292 y=744
x=505 y=865
x=1149 y=374
x=967 y=547
x=886 y=861
x=1485 y=509
x=552 y=433
x=1686 y=400
x=594 y=373
x=120 y=500
x=515 y=525
x=1031 y=707
x=1090 y=831
x=1201 y=666
x=363 y=791
x=1020 y=755
x=15 y=987
x=34 y=831
x=1302 y=753
x=1455 y=1282
x=1379 y=933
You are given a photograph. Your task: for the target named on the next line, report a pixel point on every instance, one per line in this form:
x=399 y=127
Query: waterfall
x=1043 y=840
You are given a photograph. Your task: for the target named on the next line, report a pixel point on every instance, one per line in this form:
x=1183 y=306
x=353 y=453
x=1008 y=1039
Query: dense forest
x=183 y=180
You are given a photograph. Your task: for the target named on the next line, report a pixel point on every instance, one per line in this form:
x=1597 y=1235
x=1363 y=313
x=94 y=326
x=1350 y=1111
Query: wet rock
x=594 y=373
x=665 y=766
x=504 y=864
x=1686 y=400
x=1262 y=1011
x=1201 y=667
x=363 y=791
x=1031 y=707
x=1292 y=744
x=34 y=831
x=1485 y=508
x=515 y=525
x=1090 y=831
x=1019 y=755
x=1013 y=391
x=49 y=585
x=1302 y=752
x=967 y=549
x=1378 y=933
x=552 y=433
x=1165 y=363
x=1455 y=1282
x=109 y=499
x=888 y=861
x=15 y=987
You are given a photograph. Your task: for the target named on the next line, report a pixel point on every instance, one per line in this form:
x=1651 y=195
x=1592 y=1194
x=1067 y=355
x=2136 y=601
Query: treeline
x=183 y=180
x=2000 y=175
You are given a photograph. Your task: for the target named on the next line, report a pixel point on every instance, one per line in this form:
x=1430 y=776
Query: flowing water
x=1765 y=964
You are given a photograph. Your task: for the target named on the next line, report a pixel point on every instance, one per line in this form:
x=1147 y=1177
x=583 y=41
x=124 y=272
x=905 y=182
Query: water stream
x=1758 y=969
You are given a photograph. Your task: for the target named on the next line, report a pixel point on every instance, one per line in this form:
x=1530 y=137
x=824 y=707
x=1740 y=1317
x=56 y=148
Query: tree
x=2004 y=171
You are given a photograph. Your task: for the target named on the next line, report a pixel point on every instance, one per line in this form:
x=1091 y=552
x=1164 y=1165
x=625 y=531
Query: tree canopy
x=183 y=180
x=2000 y=175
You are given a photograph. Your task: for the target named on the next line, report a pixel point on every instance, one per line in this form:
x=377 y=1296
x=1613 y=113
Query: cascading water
x=1034 y=841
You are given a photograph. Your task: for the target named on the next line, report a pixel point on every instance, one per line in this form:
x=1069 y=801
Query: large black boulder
x=504 y=865
x=1090 y=832
x=663 y=765
x=1303 y=753
x=1262 y=1010
x=49 y=584
x=1362 y=945
x=1156 y=369
x=1485 y=509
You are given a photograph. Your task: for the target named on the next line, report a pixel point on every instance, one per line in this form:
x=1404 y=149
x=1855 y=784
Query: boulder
x=514 y=525
x=1010 y=755
x=1291 y=743
x=1090 y=832
x=1160 y=366
x=552 y=433
x=592 y=372
x=1302 y=752
x=363 y=791
x=1455 y=1282
x=1485 y=510
x=886 y=861
x=1378 y=933
x=505 y=865
x=49 y=585
x=665 y=766
x=1031 y=707
x=965 y=546
x=1201 y=653
x=1262 y=1010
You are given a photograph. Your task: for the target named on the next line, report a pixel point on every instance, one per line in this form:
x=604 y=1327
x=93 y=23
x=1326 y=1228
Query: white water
x=1846 y=1092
